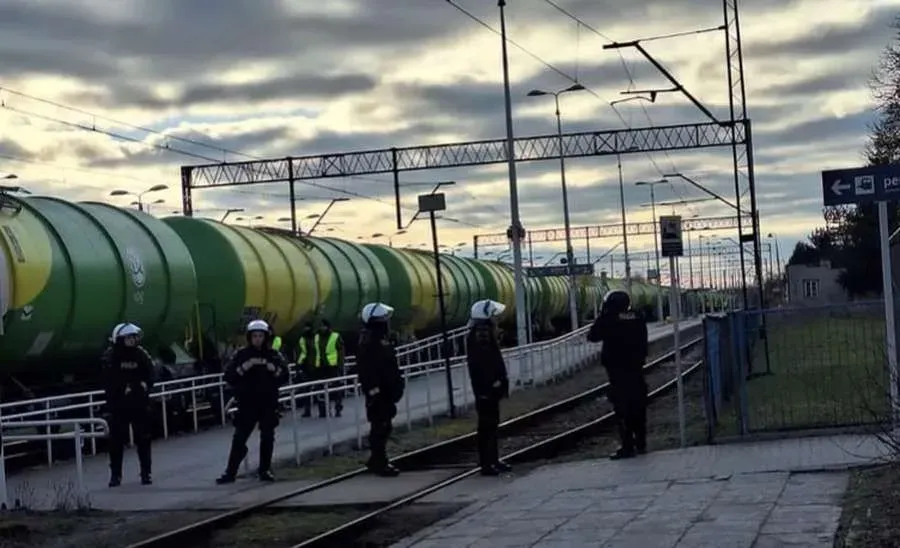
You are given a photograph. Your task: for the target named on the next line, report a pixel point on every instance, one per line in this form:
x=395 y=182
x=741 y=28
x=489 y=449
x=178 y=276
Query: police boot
x=235 y=456
x=502 y=466
x=115 y=467
x=266 y=450
x=623 y=453
x=143 y=451
x=387 y=470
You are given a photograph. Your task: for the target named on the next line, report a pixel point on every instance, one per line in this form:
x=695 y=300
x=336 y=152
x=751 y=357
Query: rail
x=98 y=429
x=528 y=364
x=337 y=537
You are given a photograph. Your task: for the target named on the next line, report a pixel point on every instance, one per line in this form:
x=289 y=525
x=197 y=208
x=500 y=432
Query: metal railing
x=529 y=364
x=428 y=350
x=98 y=428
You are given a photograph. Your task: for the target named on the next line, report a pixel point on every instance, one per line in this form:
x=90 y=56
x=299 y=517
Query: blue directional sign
x=862 y=185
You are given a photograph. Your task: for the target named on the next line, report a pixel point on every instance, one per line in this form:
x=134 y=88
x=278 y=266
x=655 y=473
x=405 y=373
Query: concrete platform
x=760 y=495
x=185 y=467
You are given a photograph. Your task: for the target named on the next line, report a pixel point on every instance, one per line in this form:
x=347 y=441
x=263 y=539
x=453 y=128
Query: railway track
x=523 y=438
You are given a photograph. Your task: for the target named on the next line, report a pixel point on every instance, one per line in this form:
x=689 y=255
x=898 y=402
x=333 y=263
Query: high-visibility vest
x=331 y=350
x=303 y=351
x=276 y=343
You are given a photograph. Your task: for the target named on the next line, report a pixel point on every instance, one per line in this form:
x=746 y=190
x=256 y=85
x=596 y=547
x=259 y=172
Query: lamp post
x=249 y=219
x=230 y=211
x=140 y=205
x=390 y=237
x=516 y=231
x=139 y=195
x=570 y=259
x=319 y=216
x=429 y=203
x=652 y=185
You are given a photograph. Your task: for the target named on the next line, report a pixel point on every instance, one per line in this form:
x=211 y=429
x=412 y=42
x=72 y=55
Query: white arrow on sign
x=838 y=188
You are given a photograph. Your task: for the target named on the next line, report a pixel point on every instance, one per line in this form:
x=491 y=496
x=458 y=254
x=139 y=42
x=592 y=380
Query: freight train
x=71 y=271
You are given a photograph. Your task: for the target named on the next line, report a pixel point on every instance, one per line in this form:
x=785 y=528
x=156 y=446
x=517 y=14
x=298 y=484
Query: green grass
x=827 y=370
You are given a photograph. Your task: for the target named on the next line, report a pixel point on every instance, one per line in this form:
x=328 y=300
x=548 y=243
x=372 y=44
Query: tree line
x=849 y=238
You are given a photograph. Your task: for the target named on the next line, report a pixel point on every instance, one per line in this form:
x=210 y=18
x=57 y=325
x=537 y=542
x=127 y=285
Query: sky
x=97 y=96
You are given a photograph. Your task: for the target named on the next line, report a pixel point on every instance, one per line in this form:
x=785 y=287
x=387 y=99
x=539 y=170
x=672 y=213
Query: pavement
x=185 y=467
x=748 y=495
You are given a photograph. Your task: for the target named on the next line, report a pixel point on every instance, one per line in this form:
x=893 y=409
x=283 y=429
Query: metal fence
x=796 y=369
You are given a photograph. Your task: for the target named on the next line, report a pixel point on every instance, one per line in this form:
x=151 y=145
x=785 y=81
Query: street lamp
x=139 y=195
x=429 y=203
x=230 y=211
x=652 y=185
x=319 y=216
x=390 y=237
x=140 y=205
x=249 y=220
x=570 y=267
x=10 y=176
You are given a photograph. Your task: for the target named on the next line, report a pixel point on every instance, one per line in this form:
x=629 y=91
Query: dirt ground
x=871 y=517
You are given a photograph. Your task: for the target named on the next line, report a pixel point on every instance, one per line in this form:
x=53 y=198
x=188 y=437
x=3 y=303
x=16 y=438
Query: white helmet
x=258 y=325
x=486 y=310
x=124 y=330
x=376 y=312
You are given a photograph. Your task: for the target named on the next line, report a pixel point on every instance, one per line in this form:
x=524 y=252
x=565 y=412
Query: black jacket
x=124 y=369
x=376 y=365
x=256 y=374
x=625 y=344
x=487 y=369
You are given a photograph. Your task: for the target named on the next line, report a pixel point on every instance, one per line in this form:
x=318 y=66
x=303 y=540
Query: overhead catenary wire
x=571 y=78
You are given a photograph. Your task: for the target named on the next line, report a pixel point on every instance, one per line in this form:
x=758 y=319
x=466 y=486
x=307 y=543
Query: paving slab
x=185 y=466
x=752 y=495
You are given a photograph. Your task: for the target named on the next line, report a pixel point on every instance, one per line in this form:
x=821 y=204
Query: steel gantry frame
x=734 y=132
x=604 y=231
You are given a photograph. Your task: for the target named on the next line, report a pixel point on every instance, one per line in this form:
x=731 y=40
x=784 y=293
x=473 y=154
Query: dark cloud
x=10 y=148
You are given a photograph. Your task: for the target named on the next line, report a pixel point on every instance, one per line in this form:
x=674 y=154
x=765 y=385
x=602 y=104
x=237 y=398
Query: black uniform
x=623 y=333
x=383 y=385
x=255 y=375
x=128 y=372
x=490 y=384
x=305 y=362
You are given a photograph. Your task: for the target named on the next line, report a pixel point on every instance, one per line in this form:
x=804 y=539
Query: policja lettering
x=255 y=372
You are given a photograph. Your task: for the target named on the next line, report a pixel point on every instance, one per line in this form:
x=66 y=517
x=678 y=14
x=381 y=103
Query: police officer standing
x=128 y=373
x=329 y=364
x=305 y=362
x=256 y=371
x=623 y=333
x=490 y=383
x=381 y=382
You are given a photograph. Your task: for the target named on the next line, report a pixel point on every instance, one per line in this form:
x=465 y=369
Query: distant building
x=810 y=285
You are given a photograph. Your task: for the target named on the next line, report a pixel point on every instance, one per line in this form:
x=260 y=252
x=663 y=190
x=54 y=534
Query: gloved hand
x=271 y=367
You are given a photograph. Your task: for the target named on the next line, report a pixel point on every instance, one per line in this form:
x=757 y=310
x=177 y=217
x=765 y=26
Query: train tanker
x=70 y=271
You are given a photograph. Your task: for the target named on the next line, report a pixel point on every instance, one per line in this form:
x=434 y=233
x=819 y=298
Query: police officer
x=329 y=364
x=381 y=382
x=256 y=371
x=490 y=383
x=276 y=343
x=305 y=362
x=623 y=333
x=128 y=373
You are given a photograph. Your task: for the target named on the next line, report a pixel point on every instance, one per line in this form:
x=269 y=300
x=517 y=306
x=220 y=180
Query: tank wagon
x=70 y=271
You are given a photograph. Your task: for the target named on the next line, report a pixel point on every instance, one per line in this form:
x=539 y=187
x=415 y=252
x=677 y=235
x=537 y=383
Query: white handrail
x=98 y=429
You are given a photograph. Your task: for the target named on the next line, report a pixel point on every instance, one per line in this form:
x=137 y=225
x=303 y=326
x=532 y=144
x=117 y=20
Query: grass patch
x=871 y=516
x=828 y=369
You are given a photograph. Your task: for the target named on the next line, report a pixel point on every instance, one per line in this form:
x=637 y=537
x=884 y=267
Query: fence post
x=4 y=501
x=79 y=460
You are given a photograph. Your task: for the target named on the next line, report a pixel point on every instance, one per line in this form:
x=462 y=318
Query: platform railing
x=527 y=365
x=89 y=402
x=97 y=428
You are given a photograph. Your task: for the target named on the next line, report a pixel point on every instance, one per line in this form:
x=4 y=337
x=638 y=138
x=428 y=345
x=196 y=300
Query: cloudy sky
x=246 y=79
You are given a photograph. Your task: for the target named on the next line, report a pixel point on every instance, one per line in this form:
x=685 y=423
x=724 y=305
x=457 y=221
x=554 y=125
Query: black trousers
x=244 y=423
x=630 y=405
x=380 y=414
x=488 y=423
x=138 y=417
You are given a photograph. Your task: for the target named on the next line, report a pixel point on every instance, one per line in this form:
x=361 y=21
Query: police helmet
x=376 y=312
x=258 y=325
x=486 y=310
x=123 y=330
x=617 y=301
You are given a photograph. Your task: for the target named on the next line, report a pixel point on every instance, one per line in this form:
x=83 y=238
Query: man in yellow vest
x=329 y=363
x=306 y=361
